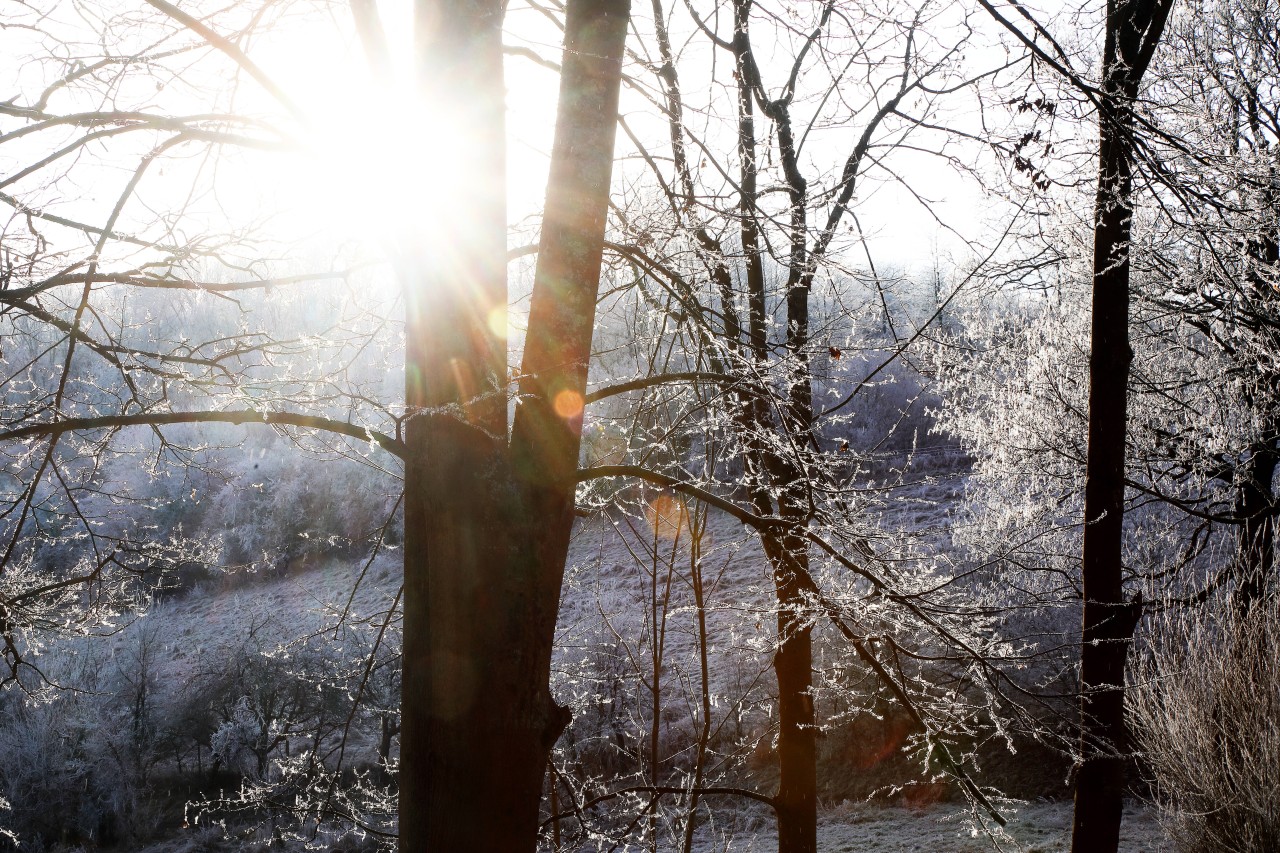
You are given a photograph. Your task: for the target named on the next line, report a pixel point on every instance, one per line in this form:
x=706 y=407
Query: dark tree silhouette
x=487 y=519
x=1133 y=30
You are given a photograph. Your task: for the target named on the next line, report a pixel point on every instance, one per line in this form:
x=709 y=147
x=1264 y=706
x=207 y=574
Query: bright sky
x=371 y=165
x=375 y=163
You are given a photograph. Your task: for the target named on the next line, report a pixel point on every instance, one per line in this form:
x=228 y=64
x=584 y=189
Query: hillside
x=215 y=666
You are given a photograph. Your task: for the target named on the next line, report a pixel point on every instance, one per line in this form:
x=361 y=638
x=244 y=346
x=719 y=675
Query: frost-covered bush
x=72 y=764
x=172 y=706
x=1015 y=380
x=1014 y=383
x=281 y=508
x=889 y=415
x=1014 y=375
x=1205 y=712
x=44 y=762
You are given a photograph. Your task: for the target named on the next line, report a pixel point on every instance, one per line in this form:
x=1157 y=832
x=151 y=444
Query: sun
x=367 y=164
x=376 y=161
x=388 y=171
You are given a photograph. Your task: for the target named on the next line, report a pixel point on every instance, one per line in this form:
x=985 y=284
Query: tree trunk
x=1255 y=503
x=457 y=504
x=1133 y=28
x=796 y=801
x=1255 y=560
x=389 y=729
x=769 y=470
x=487 y=524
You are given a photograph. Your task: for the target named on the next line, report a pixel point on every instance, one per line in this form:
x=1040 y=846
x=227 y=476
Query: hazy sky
x=366 y=161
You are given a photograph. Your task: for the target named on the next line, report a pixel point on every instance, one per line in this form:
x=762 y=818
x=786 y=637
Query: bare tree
x=1132 y=31
x=735 y=245
x=487 y=516
x=487 y=524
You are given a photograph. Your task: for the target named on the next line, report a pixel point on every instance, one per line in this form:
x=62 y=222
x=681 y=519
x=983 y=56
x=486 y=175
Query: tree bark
x=1133 y=28
x=1255 y=502
x=1255 y=561
x=486 y=522
x=768 y=469
x=796 y=801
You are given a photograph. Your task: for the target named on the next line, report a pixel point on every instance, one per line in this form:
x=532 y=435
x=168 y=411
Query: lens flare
x=668 y=516
x=497 y=320
x=568 y=404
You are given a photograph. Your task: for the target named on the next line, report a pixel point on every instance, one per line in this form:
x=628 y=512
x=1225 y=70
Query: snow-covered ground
x=611 y=581
x=865 y=828
x=947 y=828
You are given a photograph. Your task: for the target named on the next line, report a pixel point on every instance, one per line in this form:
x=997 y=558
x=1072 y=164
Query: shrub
x=1205 y=712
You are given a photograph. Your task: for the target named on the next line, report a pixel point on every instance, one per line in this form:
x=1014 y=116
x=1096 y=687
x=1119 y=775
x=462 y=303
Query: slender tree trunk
x=388 y=732
x=487 y=523
x=796 y=801
x=1256 y=499
x=682 y=193
x=697 y=529
x=1133 y=28
x=1255 y=561
x=748 y=173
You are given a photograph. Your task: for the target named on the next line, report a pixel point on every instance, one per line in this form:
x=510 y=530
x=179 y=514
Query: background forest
x=815 y=411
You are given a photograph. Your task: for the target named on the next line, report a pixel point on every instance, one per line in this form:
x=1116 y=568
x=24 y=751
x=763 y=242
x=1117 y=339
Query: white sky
x=359 y=175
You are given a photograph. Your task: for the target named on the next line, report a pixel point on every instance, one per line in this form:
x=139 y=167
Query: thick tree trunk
x=454 y=472
x=1133 y=29
x=487 y=524
x=548 y=424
